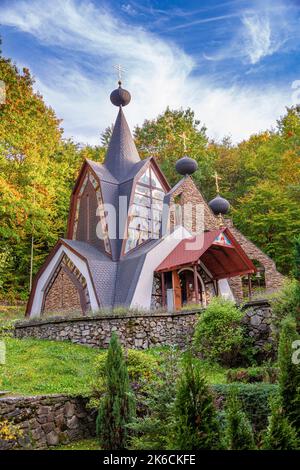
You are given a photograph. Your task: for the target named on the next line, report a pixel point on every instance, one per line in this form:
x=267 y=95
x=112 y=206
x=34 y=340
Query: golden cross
x=119 y=70
x=184 y=138
x=217 y=179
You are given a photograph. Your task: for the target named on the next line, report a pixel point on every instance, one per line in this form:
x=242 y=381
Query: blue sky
x=233 y=62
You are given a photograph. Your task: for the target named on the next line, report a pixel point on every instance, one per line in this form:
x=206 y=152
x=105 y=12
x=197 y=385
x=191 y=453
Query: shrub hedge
x=254 y=398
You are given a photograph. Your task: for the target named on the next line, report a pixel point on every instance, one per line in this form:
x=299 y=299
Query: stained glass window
x=145 y=213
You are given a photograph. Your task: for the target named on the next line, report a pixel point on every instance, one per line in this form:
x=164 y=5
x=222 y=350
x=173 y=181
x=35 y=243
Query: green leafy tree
x=162 y=138
x=280 y=434
x=238 y=430
x=289 y=376
x=118 y=406
x=195 y=421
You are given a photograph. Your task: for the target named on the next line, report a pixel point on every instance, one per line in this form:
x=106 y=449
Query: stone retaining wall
x=47 y=420
x=140 y=331
x=134 y=331
x=258 y=320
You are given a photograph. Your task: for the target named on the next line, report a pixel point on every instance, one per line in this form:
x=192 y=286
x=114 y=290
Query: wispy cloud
x=260 y=40
x=88 y=40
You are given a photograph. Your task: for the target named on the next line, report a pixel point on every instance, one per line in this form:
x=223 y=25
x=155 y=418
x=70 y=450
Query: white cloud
x=259 y=41
x=89 y=40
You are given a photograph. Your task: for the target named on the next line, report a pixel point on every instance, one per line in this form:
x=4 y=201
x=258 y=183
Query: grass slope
x=37 y=367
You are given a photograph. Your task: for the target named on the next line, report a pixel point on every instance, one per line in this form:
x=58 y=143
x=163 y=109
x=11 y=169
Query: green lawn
x=85 y=444
x=37 y=367
x=41 y=367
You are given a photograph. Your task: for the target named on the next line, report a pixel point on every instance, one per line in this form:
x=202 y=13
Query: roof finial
x=219 y=205
x=184 y=139
x=119 y=70
x=217 y=179
x=120 y=97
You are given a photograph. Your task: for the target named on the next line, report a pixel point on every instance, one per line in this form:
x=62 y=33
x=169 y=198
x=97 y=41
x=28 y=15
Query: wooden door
x=176 y=290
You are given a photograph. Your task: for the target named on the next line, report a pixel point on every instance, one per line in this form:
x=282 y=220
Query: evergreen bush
x=289 y=375
x=238 y=430
x=280 y=434
x=152 y=430
x=254 y=399
x=117 y=406
x=195 y=419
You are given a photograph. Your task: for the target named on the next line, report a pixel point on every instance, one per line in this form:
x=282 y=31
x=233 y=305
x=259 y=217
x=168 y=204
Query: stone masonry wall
x=258 y=320
x=274 y=280
x=134 y=331
x=47 y=420
x=190 y=197
x=141 y=331
x=63 y=295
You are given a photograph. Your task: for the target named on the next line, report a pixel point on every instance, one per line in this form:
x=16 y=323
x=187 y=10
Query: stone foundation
x=47 y=421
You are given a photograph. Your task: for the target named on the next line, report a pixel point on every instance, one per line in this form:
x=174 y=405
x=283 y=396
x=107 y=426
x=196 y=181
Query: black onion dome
x=219 y=205
x=186 y=166
x=120 y=97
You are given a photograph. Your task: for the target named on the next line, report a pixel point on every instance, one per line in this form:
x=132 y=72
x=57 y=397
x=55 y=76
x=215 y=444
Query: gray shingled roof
x=122 y=153
x=103 y=270
x=129 y=269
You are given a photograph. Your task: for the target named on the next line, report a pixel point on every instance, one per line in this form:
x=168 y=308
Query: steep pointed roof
x=122 y=154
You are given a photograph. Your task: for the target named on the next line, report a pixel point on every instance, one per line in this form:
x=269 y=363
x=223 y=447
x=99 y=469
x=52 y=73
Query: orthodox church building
x=133 y=241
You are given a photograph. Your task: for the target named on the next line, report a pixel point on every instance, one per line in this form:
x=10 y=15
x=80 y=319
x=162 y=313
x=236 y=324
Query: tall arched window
x=145 y=212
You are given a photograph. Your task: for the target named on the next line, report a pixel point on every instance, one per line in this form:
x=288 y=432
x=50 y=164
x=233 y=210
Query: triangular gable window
x=222 y=240
x=145 y=213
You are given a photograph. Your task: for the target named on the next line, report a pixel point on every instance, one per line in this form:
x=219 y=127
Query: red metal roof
x=218 y=250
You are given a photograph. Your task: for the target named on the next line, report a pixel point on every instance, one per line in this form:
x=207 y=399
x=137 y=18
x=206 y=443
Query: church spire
x=122 y=153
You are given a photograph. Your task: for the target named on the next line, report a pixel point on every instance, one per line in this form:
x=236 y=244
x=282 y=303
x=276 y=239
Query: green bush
x=152 y=430
x=266 y=373
x=195 y=419
x=284 y=303
x=142 y=369
x=280 y=434
x=254 y=399
x=117 y=406
x=219 y=333
x=289 y=376
x=238 y=431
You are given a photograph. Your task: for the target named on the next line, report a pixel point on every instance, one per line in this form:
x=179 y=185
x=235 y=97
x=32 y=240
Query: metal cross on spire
x=217 y=179
x=120 y=70
x=184 y=139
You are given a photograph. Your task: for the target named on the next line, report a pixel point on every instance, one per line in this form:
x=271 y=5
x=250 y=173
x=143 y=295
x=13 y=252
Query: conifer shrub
x=280 y=434
x=238 y=430
x=195 y=419
x=142 y=369
x=219 y=332
x=117 y=407
x=151 y=431
x=289 y=375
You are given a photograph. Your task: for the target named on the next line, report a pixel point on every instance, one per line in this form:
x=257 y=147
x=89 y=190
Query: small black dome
x=120 y=97
x=186 y=166
x=219 y=205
